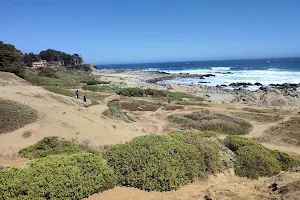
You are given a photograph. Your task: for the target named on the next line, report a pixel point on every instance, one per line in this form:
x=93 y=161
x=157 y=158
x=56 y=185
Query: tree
x=11 y=60
x=29 y=58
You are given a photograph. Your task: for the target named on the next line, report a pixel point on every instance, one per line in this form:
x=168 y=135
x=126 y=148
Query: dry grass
x=27 y=134
x=193 y=103
x=205 y=121
x=114 y=111
x=15 y=115
x=270 y=111
x=258 y=117
x=288 y=132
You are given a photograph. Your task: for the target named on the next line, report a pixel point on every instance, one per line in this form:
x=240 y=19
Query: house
x=39 y=64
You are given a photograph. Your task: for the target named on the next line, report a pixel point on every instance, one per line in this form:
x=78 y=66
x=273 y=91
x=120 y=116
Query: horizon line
x=133 y=63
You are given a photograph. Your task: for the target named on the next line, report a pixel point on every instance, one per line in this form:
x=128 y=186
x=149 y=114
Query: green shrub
x=286 y=161
x=131 y=92
x=234 y=143
x=255 y=161
x=115 y=111
x=59 y=90
x=46 y=81
x=57 y=177
x=53 y=146
x=179 y=95
x=103 y=88
x=204 y=121
x=15 y=115
x=47 y=72
x=206 y=144
x=155 y=93
x=94 y=82
x=155 y=162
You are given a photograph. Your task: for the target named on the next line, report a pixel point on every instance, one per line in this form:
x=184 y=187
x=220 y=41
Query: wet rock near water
x=162 y=77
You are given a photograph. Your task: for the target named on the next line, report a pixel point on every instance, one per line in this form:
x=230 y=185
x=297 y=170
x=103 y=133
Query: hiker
x=169 y=101
x=84 y=98
x=76 y=94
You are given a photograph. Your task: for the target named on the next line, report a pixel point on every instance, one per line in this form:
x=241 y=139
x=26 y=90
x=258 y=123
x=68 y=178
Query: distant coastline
x=225 y=72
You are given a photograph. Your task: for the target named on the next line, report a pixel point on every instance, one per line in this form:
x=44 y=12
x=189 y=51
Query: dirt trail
x=225 y=186
x=66 y=117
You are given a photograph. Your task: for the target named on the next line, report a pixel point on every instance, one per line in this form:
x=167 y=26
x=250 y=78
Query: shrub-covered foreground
x=54 y=146
x=14 y=115
x=254 y=160
x=57 y=177
x=204 y=121
x=164 y=162
x=155 y=162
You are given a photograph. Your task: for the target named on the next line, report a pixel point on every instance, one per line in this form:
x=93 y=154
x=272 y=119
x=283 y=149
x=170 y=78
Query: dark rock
x=238 y=84
x=223 y=85
x=258 y=84
x=264 y=88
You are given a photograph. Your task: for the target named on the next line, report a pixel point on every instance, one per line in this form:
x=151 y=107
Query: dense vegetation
x=15 y=115
x=29 y=58
x=59 y=90
x=54 y=146
x=155 y=162
x=204 y=121
x=11 y=60
x=206 y=144
x=62 y=58
x=57 y=177
x=254 y=160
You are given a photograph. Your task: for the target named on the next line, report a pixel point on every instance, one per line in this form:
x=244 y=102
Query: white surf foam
x=221 y=68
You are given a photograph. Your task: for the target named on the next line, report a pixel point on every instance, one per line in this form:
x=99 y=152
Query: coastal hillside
x=112 y=117
x=95 y=134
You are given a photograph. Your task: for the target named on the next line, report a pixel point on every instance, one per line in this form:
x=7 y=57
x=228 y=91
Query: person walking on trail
x=76 y=94
x=84 y=98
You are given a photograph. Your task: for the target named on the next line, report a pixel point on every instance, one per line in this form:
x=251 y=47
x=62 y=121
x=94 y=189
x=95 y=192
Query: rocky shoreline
x=278 y=95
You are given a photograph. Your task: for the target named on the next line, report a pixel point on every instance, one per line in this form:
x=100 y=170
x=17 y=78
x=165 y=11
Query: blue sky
x=130 y=31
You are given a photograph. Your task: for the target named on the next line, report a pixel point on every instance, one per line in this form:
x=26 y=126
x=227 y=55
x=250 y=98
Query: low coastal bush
x=114 y=111
x=234 y=143
x=155 y=93
x=59 y=90
x=255 y=161
x=287 y=132
x=54 y=146
x=94 y=82
x=103 y=88
x=260 y=161
x=57 y=177
x=47 y=72
x=259 y=117
x=15 y=115
x=286 y=161
x=204 y=121
x=155 y=162
x=131 y=92
x=206 y=144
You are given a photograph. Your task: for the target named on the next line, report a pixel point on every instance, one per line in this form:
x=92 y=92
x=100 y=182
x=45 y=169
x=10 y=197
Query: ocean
x=264 y=71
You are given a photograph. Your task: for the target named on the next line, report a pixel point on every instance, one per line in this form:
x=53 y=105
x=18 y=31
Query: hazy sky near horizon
x=131 y=31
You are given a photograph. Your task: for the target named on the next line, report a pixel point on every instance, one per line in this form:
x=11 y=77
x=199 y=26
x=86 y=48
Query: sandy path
x=66 y=117
x=225 y=186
